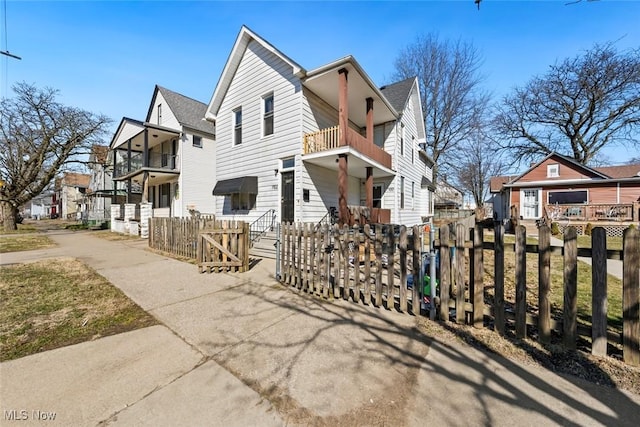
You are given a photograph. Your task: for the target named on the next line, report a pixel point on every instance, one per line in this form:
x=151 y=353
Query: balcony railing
x=328 y=139
x=584 y=212
x=156 y=161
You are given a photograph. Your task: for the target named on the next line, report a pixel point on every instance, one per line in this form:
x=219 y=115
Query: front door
x=530 y=203
x=287 y=200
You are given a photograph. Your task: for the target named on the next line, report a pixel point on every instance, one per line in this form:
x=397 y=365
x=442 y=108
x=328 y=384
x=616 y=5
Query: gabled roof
x=73 y=179
x=398 y=93
x=189 y=112
x=622 y=171
x=242 y=41
x=497 y=182
x=99 y=153
x=564 y=158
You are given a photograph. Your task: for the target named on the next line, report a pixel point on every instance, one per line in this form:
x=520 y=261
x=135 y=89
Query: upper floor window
x=553 y=171
x=402 y=192
x=237 y=126
x=401 y=139
x=197 y=141
x=378 y=135
x=159 y=114
x=267 y=115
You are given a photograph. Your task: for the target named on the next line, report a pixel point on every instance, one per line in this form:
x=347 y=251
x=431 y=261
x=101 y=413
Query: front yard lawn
x=58 y=302
x=24 y=242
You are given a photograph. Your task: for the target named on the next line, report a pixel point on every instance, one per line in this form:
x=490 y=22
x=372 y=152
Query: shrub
x=588 y=229
x=632 y=226
x=555 y=228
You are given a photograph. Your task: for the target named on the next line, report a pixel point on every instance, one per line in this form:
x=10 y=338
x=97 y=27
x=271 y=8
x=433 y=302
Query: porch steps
x=265 y=246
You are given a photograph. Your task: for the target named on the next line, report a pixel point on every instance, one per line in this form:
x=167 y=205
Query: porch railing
x=329 y=138
x=585 y=212
x=156 y=161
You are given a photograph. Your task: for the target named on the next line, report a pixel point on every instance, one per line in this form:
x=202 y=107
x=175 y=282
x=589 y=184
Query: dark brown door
x=287 y=200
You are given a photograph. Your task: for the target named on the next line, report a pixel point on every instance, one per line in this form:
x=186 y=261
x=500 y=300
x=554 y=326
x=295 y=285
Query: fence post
x=599 y=291
x=345 y=239
x=570 y=325
x=544 y=288
x=478 y=279
x=521 y=281
x=403 y=268
x=416 y=262
x=367 y=264
x=631 y=297
x=445 y=273
x=337 y=252
x=391 y=263
x=459 y=274
x=378 y=250
x=498 y=274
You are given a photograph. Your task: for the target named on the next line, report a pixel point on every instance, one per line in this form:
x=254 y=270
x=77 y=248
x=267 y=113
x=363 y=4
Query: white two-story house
x=168 y=159
x=302 y=143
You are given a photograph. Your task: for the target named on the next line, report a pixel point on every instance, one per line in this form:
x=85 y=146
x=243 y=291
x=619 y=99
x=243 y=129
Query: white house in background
x=168 y=159
x=100 y=191
x=301 y=143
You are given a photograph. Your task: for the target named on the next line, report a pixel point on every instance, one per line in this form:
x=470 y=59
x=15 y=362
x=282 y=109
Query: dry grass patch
x=113 y=236
x=24 y=242
x=58 y=302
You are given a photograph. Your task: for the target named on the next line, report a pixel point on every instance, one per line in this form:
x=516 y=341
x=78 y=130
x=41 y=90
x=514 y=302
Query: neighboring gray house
x=168 y=159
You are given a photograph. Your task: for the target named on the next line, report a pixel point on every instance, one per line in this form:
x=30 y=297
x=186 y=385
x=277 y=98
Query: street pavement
x=238 y=349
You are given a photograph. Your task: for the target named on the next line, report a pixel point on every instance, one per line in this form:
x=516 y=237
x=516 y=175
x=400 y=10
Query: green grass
x=612 y=242
x=614 y=291
x=24 y=242
x=54 y=303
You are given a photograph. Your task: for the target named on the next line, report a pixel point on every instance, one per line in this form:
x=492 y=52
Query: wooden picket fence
x=178 y=236
x=381 y=265
x=223 y=248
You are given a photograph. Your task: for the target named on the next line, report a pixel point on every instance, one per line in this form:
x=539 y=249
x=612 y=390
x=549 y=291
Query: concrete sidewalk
x=239 y=349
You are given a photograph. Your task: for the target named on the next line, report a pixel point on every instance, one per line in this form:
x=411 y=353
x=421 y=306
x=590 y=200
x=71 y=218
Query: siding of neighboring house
x=197 y=175
x=260 y=72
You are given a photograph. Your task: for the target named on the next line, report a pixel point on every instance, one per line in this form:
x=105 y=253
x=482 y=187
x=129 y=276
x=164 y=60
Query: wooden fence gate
x=224 y=247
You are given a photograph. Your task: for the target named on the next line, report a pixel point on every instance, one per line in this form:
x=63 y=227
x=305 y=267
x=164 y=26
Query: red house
x=561 y=188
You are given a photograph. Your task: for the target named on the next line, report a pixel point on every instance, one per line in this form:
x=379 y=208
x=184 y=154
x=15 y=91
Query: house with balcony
x=303 y=145
x=166 y=161
x=559 y=187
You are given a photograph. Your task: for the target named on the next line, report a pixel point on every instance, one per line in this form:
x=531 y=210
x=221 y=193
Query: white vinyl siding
x=259 y=72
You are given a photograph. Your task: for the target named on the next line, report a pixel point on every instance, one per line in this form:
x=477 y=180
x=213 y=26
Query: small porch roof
x=245 y=184
x=133 y=130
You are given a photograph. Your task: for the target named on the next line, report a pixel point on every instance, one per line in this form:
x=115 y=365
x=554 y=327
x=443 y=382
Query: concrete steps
x=265 y=246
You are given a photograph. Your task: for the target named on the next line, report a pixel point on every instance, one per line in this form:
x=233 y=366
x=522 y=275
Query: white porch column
x=146 y=212
x=115 y=213
x=129 y=213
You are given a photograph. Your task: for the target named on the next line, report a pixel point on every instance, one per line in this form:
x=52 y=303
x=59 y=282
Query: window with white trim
x=553 y=171
x=413 y=143
x=237 y=126
x=401 y=139
x=378 y=190
x=413 y=193
x=267 y=115
x=159 y=114
x=402 y=192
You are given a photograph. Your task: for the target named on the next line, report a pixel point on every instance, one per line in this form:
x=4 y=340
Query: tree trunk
x=9 y=215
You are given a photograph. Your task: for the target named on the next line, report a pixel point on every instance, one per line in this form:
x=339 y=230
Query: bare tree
x=39 y=136
x=577 y=108
x=478 y=161
x=450 y=88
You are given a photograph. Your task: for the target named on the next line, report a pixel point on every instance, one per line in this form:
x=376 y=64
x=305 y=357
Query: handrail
x=260 y=226
x=330 y=218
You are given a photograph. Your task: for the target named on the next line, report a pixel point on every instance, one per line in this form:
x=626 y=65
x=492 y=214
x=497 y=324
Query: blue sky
x=107 y=56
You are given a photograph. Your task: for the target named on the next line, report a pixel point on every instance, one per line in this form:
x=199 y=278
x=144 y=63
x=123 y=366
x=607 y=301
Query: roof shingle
x=189 y=112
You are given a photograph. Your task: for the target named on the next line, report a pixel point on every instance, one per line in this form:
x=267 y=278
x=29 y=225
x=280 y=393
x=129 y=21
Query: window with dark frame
x=305 y=195
x=401 y=139
x=197 y=141
x=402 y=192
x=159 y=114
x=237 y=126
x=267 y=115
x=242 y=201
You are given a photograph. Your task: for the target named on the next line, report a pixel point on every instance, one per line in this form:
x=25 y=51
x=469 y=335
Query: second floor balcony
x=322 y=146
x=135 y=164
